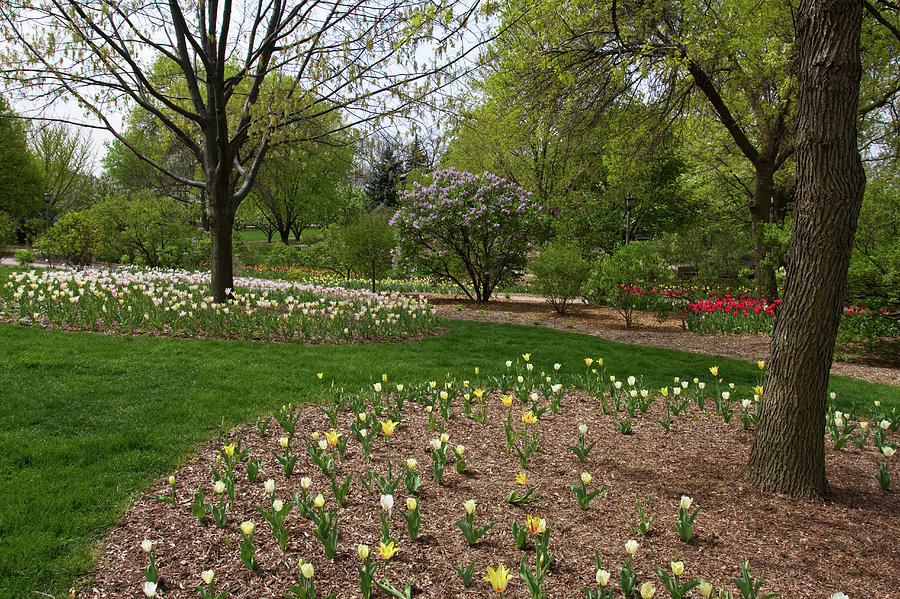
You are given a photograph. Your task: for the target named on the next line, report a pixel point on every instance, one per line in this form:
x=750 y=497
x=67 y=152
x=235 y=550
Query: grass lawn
x=306 y=236
x=87 y=421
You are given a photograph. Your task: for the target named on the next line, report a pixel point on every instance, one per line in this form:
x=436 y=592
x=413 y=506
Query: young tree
x=66 y=159
x=788 y=454
x=341 y=56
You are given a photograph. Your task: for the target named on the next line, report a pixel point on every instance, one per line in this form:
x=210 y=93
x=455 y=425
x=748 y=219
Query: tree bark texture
x=761 y=214
x=788 y=454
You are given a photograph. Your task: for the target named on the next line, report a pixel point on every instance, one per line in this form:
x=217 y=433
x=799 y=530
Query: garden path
x=606 y=323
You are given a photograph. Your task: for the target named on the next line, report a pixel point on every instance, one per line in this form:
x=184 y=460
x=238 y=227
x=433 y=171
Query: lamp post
x=47 y=197
x=629 y=202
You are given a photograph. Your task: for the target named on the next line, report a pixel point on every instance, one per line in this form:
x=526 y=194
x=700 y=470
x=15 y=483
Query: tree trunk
x=221 y=221
x=285 y=235
x=788 y=454
x=204 y=211
x=760 y=214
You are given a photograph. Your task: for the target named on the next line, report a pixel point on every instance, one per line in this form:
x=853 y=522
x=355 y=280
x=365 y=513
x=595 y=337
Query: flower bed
x=593 y=505
x=330 y=278
x=175 y=303
x=728 y=315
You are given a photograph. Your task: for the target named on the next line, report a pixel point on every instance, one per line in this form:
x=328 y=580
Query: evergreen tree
x=387 y=175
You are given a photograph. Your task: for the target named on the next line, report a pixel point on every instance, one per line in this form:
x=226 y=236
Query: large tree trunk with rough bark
x=788 y=454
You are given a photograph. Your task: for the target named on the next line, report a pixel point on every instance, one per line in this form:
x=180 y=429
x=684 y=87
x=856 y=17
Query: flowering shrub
x=351 y=280
x=173 y=303
x=560 y=271
x=473 y=230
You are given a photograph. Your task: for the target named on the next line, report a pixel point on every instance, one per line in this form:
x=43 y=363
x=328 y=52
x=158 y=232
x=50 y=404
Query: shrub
x=473 y=230
x=560 y=271
x=72 y=239
x=624 y=280
x=154 y=232
x=7 y=231
x=281 y=254
x=25 y=257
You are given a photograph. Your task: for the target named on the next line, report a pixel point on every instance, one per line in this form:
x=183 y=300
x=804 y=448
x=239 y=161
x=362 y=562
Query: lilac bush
x=475 y=230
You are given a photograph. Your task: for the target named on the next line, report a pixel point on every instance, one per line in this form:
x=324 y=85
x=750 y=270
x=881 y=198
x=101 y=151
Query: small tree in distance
x=475 y=230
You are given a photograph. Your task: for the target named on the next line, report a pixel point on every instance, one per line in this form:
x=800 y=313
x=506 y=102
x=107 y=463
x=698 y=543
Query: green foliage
x=364 y=246
x=386 y=177
x=73 y=239
x=21 y=183
x=25 y=257
x=623 y=279
x=152 y=231
x=560 y=271
x=7 y=231
x=874 y=274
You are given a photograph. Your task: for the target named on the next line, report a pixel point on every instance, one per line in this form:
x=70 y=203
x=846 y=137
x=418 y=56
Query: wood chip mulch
x=847 y=542
x=606 y=323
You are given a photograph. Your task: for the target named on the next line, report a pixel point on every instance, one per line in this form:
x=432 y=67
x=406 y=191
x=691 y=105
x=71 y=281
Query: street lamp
x=629 y=202
x=47 y=197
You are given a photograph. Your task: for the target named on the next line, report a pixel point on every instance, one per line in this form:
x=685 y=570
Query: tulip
x=664 y=391
x=332 y=437
x=526 y=357
x=229 y=449
x=832 y=395
x=479 y=393
x=147 y=545
x=247 y=528
x=588 y=361
x=686 y=502
x=319 y=501
x=218 y=487
x=269 y=486
x=557 y=366
x=319 y=375
x=171 y=480
x=631 y=547
x=323 y=444
x=443 y=395
x=509 y=363
x=411 y=463
x=377 y=387
x=363 y=551
x=411 y=503
x=399 y=388
x=521 y=478
x=362 y=416
x=314 y=436
x=705 y=588
x=761 y=364
x=888 y=451
x=305 y=483
x=387 y=551
x=877 y=404
x=506 y=400
x=701 y=385
x=283 y=442
x=731 y=385
x=498 y=578
x=602 y=577
x=618 y=385
x=387 y=503
x=528 y=417
x=150 y=589
x=207 y=576
x=884 y=424
x=714 y=370
x=726 y=395
x=677 y=568
x=436 y=444
x=631 y=381
x=745 y=403
x=582 y=428
x=387 y=427
x=758 y=389
x=470 y=506
x=307 y=570
x=586 y=478
x=460 y=449
x=384 y=378
x=445 y=437
x=648 y=590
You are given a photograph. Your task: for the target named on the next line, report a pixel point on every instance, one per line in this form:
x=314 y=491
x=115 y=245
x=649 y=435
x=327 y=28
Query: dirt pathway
x=606 y=323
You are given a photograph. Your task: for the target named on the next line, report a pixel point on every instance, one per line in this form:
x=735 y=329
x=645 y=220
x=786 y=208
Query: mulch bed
x=604 y=322
x=805 y=548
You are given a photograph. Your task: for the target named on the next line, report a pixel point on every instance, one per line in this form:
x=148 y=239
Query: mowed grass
x=87 y=421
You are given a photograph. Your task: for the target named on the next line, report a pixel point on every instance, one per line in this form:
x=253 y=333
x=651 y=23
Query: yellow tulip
x=648 y=590
x=528 y=417
x=761 y=364
x=247 y=528
x=526 y=357
x=506 y=400
x=758 y=389
x=479 y=393
x=332 y=437
x=521 y=478
x=229 y=449
x=387 y=551
x=498 y=578
x=588 y=361
x=387 y=427
x=664 y=391
x=363 y=551
x=677 y=568
x=714 y=370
